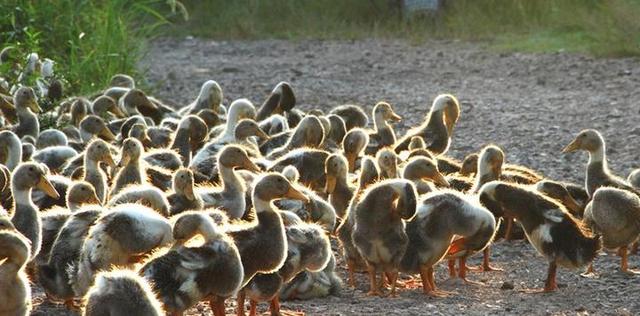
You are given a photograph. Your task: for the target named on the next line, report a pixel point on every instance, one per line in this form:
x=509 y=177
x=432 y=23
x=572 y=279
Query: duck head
x=131 y=152
x=336 y=167
x=211 y=118
x=354 y=142
x=78 y=110
x=10 y=149
x=232 y=156
x=99 y=151
x=93 y=125
x=183 y=183
x=425 y=169
x=559 y=192
x=210 y=97
x=416 y=142
x=247 y=128
x=189 y=224
x=81 y=193
x=30 y=175
x=122 y=81
x=589 y=140
x=105 y=104
x=273 y=186
x=308 y=133
x=139 y=132
x=383 y=111
x=388 y=163
x=369 y=172
x=490 y=164
x=338 y=129
x=25 y=99
x=450 y=107
x=469 y=165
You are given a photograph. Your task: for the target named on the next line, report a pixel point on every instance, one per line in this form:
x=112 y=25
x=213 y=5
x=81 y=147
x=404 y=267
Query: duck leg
x=352 y=272
x=452 y=268
x=509 y=229
x=462 y=272
x=274 y=308
x=428 y=283
x=550 y=285
x=393 y=277
x=217 y=306
x=485 y=261
x=624 y=258
x=240 y=303
x=374 y=290
x=253 y=308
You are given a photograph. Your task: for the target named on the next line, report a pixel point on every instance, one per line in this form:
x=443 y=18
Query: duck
x=549 y=227
x=183 y=197
x=615 y=215
x=191 y=134
x=447 y=224
x=337 y=131
x=130 y=168
x=263 y=245
x=309 y=285
x=231 y=196
x=211 y=118
x=50 y=138
x=437 y=129
x=6 y=198
x=308 y=250
x=309 y=133
x=209 y=98
x=383 y=134
x=598 y=173
x=10 y=149
x=558 y=190
x=25 y=218
x=419 y=169
x=246 y=130
x=382 y=246
x=634 y=178
x=309 y=163
x=135 y=102
x=7 y=109
x=352 y=115
x=120 y=235
x=54 y=157
x=282 y=99
x=188 y=274
x=98 y=152
x=54 y=275
x=105 y=106
x=123 y=81
x=27 y=106
x=73 y=111
x=274 y=125
x=15 y=291
x=369 y=174
x=446 y=165
x=388 y=163
x=121 y=292
x=94 y=126
x=337 y=186
x=142 y=194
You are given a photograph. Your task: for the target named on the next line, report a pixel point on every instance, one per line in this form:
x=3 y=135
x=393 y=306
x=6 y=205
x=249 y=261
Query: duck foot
x=590 y=273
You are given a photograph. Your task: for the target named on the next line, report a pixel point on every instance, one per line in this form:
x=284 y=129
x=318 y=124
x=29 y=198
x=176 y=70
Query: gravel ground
x=529 y=104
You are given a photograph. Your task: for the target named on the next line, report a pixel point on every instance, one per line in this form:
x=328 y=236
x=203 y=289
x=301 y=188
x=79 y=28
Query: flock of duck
x=131 y=207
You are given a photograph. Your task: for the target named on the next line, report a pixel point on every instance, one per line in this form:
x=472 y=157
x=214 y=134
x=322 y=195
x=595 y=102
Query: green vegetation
x=600 y=27
x=89 y=40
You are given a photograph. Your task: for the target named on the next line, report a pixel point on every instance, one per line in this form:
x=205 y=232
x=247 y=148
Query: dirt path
x=530 y=105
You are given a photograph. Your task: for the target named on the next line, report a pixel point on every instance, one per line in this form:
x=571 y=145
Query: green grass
x=89 y=40
x=599 y=27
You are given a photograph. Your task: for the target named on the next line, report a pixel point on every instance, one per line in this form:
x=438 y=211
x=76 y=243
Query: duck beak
x=296 y=195
x=46 y=186
x=109 y=160
x=330 y=185
x=573 y=146
x=351 y=159
x=260 y=133
x=249 y=165
x=33 y=104
x=106 y=134
x=395 y=117
x=440 y=180
x=188 y=192
x=93 y=199
x=573 y=205
x=118 y=112
x=124 y=161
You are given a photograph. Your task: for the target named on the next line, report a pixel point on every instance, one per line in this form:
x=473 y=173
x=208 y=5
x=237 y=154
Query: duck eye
x=30 y=168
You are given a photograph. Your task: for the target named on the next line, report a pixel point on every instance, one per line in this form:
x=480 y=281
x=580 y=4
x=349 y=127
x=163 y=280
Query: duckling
x=183 y=197
x=558 y=191
x=136 y=102
x=282 y=99
x=615 y=214
x=355 y=262
x=26 y=104
x=337 y=131
x=309 y=285
x=191 y=133
x=122 y=80
x=275 y=124
x=388 y=163
x=552 y=231
x=437 y=129
x=446 y=165
x=6 y=198
x=210 y=117
x=598 y=174
x=130 y=169
x=337 y=185
x=353 y=145
x=309 y=133
x=209 y=98
x=97 y=152
x=231 y=197
x=239 y=109
x=244 y=131
x=45 y=201
x=107 y=107
x=15 y=291
x=7 y=108
x=10 y=149
x=352 y=115
x=634 y=178
x=54 y=157
x=121 y=292
x=383 y=133
x=439 y=218
x=51 y=138
x=71 y=113
x=186 y=274
x=126 y=231
x=263 y=245
x=92 y=126
x=56 y=274
x=382 y=246
x=310 y=164
x=142 y=194
x=27 y=150
x=419 y=169
x=25 y=214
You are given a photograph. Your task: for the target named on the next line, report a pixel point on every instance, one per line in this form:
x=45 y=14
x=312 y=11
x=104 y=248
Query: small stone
x=230 y=69
x=506 y=285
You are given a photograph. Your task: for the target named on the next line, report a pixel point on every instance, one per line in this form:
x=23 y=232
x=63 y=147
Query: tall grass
x=601 y=27
x=89 y=40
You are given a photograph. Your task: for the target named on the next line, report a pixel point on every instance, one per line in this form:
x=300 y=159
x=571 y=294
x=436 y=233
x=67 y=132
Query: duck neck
x=181 y=145
x=262 y=206
x=485 y=174
x=208 y=230
x=230 y=180
x=379 y=122
x=598 y=156
x=85 y=135
x=21 y=196
x=232 y=121
x=13 y=154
